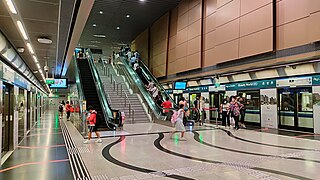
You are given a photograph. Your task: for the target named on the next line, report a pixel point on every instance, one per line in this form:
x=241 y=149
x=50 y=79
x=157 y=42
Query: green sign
x=316 y=80
x=49 y=81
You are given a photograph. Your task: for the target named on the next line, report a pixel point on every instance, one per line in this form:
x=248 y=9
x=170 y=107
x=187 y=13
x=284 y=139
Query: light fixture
x=11 y=7
x=118 y=27
x=30 y=48
x=22 y=30
x=95 y=42
x=99 y=35
x=38 y=65
x=142 y=0
x=94 y=25
x=128 y=15
x=100 y=12
x=92 y=45
x=35 y=59
x=20 y=49
x=44 y=40
x=40 y=70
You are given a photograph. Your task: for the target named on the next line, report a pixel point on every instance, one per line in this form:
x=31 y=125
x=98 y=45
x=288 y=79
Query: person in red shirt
x=167 y=105
x=68 y=110
x=92 y=120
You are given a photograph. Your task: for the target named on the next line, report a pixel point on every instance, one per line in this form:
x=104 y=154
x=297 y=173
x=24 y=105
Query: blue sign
x=316 y=80
x=197 y=89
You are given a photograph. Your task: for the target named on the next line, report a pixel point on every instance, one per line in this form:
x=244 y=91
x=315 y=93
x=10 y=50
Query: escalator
x=108 y=119
x=124 y=68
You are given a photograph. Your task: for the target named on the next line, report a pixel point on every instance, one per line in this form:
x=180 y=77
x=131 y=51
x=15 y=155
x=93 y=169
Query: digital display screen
x=180 y=85
x=59 y=84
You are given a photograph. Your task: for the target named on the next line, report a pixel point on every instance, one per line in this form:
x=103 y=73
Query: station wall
x=205 y=33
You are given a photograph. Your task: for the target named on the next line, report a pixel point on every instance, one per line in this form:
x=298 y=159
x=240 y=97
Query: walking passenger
x=92 y=121
x=68 y=110
x=179 y=127
x=60 y=109
x=167 y=105
x=224 y=110
x=185 y=108
x=235 y=111
x=242 y=112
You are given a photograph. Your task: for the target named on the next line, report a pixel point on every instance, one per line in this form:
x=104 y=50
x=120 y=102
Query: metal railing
x=118 y=87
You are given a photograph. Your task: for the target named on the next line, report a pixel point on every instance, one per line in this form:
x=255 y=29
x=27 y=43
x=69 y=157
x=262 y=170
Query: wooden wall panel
x=248 y=6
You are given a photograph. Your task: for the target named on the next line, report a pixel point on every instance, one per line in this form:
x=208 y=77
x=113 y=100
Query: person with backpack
x=177 y=120
x=92 y=122
x=235 y=111
x=60 y=109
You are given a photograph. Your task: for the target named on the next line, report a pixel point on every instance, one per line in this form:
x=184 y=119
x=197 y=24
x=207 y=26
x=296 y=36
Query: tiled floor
x=41 y=155
x=146 y=151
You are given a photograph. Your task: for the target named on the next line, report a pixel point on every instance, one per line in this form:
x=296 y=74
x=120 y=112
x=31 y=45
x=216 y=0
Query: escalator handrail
x=107 y=110
x=80 y=89
x=154 y=79
x=142 y=90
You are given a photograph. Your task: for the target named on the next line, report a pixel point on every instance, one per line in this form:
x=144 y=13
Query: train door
x=177 y=98
x=28 y=111
x=215 y=99
x=251 y=101
x=296 y=109
x=7 y=119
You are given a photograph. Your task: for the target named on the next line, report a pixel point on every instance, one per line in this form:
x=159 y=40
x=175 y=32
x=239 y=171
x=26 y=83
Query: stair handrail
x=126 y=98
x=107 y=110
x=156 y=82
x=150 y=104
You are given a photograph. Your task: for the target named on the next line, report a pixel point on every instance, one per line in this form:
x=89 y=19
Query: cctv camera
x=46 y=68
x=294 y=67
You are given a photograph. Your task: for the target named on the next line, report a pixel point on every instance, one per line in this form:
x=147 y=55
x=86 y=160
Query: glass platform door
x=7 y=119
x=215 y=99
x=295 y=109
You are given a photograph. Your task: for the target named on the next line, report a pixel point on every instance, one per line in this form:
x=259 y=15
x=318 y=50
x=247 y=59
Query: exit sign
x=50 y=81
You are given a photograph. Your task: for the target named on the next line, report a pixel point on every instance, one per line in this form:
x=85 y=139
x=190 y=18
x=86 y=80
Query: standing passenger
x=92 y=121
x=235 y=111
x=224 y=110
x=133 y=60
x=68 y=110
x=60 y=110
x=242 y=112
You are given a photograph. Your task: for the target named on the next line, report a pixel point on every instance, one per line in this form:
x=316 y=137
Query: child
x=179 y=127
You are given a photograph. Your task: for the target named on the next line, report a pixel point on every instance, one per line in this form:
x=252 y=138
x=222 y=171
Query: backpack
x=174 y=117
x=60 y=107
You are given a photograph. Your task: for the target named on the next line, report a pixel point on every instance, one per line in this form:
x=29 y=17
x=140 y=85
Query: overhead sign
x=49 y=81
x=59 y=84
x=262 y=84
x=293 y=82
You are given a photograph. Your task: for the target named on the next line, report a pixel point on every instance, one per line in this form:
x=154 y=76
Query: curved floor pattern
x=161 y=148
x=196 y=137
x=264 y=144
x=106 y=154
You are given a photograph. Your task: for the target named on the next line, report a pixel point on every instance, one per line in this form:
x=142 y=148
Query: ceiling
x=142 y=15
x=41 y=19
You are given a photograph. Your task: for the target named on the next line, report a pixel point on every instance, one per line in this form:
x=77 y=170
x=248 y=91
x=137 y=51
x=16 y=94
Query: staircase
x=89 y=90
x=138 y=113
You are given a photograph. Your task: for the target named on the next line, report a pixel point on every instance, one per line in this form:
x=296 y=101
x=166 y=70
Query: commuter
x=224 y=110
x=242 y=112
x=235 y=111
x=159 y=99
x=129 y=54
x=81 y=54
x=150 y=85
x=133 y=60
x=92 y=121
x=60 y=109
x=185 y=108
x=202 y=110
x=167 y=105
x=137 y=55
x=68 y=110
x=141 y=76
x=154 y=92
x=63 y=103
x=179 y=127
x=136 y=64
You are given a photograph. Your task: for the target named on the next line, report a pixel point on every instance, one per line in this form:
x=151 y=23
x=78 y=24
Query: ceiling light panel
x=100 y=12
x=35 y=59
x=22 y=30
x=100 y=35
x=30 y=48
x=11 y=7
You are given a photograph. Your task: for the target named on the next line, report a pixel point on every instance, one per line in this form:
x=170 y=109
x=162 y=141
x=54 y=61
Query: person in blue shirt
x=133 y=60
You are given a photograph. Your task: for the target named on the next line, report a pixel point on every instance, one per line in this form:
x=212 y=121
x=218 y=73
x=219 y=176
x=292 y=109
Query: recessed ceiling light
x=20 y=49
x=11 y=7
x=22 y=30
x=118 y=27
x=142 y=0
x=99 y=35
x=38 y=65
x=92 y=45
x=94 y=25
x=96 y=42
x=30 y=48
x=35 y=59
x=100 y=12
x=128 y=15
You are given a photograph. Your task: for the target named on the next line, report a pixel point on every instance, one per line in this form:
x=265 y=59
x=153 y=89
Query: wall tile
x=194 y=30
x=194 y=45
x=228 y=12
x=252 y=5
x=227 y=32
